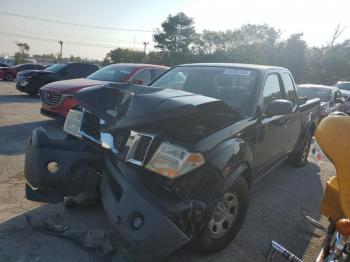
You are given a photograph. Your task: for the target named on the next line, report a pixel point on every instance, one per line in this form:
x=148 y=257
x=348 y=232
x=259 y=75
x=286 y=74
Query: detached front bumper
x=56 y=168
x=141 y=223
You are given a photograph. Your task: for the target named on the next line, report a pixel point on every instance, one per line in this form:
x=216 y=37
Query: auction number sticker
x=237 y=72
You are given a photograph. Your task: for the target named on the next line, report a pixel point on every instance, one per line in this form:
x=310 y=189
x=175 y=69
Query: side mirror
x=339 y=100
x=279 y=107
x=137 y=82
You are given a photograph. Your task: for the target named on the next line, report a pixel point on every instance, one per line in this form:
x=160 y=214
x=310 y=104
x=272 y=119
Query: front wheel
x=34 y=89
x=225 y=220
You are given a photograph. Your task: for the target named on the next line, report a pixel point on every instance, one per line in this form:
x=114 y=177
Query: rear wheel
x=9 y=77
x=32 y=92
x=225 y=220
x=299 y=158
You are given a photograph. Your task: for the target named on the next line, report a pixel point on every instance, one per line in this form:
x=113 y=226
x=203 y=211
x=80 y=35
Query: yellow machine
x=333 y=136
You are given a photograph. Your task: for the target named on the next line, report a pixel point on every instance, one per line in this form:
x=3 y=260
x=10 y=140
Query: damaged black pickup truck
x=173 y=161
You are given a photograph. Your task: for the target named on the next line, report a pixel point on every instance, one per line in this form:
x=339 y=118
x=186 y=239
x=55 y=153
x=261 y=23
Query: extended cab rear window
x=235 y=86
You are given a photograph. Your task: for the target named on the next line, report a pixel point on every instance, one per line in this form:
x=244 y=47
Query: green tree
x=123 y=55
x=177 y=36
x=256 y=43
x=292 y=55
x=23 y=48
x=20 y=57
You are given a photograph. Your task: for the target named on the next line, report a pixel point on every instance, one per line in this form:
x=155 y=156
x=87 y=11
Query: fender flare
x=232 y=158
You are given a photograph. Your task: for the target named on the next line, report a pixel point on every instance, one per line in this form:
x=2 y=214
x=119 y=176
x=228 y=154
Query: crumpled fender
x=232 y=157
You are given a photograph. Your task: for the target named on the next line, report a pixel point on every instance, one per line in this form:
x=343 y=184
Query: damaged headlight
x=173 y=161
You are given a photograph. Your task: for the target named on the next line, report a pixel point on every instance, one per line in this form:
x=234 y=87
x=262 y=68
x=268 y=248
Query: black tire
x=34 y=89
x=208 y=242
x=9 y=77
x=32 y=93
x=299 y=158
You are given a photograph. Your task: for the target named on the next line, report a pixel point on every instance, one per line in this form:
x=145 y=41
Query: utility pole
x=61 y=45
x=145 y=44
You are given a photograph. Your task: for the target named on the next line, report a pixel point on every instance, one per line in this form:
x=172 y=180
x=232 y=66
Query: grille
x=120 y=140
x=91 y=126
x=142 y=148
x=139 y=145
x=50 y=99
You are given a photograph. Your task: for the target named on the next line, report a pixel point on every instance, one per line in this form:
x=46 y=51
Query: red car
x=57 y=97
x=10 y=73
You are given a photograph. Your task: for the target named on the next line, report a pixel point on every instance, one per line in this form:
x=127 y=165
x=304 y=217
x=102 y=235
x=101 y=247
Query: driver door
x=271 y=130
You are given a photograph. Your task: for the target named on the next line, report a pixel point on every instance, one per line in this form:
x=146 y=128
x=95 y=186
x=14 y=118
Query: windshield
x=235 y=86
x=322 y=93
x=55 y=68
x=111 y=73
x=343 y=86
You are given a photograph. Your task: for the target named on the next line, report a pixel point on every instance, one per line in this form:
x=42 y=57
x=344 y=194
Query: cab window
x=271 y=91
x=289 y=87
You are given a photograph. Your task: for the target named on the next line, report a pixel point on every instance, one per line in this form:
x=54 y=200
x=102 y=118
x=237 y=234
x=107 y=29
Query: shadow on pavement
x=24 y=98
x=13 y=138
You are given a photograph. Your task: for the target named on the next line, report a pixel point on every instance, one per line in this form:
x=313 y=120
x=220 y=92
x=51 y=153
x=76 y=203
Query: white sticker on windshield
x=237 y=72
x=125 y=71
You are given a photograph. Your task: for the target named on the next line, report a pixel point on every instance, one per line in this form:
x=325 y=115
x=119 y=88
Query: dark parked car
x=174 y=161
x=4 y=65
x=10 y=73
x=57 y=98
x=31 y=81
x=331 y=98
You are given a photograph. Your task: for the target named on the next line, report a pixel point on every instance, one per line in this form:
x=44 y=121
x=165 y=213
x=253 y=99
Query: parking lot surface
x=278 y=202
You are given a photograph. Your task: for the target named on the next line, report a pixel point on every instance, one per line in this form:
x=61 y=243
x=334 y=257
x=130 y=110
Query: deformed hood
x=127 y=105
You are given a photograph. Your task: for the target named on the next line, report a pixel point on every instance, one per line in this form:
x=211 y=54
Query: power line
x=56 y=40
x=49 y=34
x=75 y=24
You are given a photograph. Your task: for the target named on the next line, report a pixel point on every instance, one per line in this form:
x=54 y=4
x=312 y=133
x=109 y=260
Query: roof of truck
x=246 y=66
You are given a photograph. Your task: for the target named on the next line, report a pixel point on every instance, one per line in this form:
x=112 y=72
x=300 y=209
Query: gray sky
x=316 y=19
